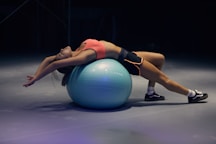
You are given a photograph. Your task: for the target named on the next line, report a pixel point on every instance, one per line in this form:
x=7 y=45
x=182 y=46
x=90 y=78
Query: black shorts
x=130 y=61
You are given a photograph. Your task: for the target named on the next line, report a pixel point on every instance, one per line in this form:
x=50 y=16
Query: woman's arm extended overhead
x=82 y=58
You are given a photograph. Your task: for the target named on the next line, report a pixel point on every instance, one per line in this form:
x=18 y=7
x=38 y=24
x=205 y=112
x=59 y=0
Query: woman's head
x=64 y=53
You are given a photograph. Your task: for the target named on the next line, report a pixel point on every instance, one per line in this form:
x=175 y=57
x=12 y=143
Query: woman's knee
x=159 y=60
x=161 y=57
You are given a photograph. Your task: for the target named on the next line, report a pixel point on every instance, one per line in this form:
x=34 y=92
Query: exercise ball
x=101 y=84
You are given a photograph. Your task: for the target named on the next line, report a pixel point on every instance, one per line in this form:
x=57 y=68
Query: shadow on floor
x=135 y=102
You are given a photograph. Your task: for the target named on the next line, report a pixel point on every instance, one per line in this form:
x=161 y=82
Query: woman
x=145 y=64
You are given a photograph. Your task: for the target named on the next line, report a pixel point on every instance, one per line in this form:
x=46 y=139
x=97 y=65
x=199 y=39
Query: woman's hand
x=31 y=80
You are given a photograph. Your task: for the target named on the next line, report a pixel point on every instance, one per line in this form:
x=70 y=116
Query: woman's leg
x=150 y=69
x=152 y=73
x=158 y=60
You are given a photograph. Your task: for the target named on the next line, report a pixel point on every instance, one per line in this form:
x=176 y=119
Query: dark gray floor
x=45 y=114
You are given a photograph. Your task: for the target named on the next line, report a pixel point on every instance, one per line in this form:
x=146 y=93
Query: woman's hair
x=66 y=71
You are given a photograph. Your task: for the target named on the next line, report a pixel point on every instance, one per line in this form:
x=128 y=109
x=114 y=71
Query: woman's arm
x=45 y=63
x=31 y=78
x=82 y=58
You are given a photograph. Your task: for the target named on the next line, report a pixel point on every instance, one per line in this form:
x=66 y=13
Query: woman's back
x=112 y=50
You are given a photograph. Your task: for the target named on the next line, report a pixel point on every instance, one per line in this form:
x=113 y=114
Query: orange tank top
x=95 y=45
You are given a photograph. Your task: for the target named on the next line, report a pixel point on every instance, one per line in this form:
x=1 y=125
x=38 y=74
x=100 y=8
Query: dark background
x=44 y=26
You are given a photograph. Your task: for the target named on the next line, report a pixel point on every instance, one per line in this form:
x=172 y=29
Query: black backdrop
x=39 y=27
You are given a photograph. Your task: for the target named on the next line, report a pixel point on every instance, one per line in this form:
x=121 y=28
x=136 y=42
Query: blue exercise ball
x=102 y=84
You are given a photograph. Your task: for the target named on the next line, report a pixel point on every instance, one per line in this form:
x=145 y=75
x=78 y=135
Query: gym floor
x=45 y=114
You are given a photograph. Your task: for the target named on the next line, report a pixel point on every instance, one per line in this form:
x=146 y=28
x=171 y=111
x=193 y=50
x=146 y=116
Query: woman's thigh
x=152 y=73
x=156 y=59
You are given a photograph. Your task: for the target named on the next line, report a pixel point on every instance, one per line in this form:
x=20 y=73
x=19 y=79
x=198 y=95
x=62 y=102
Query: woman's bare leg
x=152 y=73
x=157 y=59
x=151 y=70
